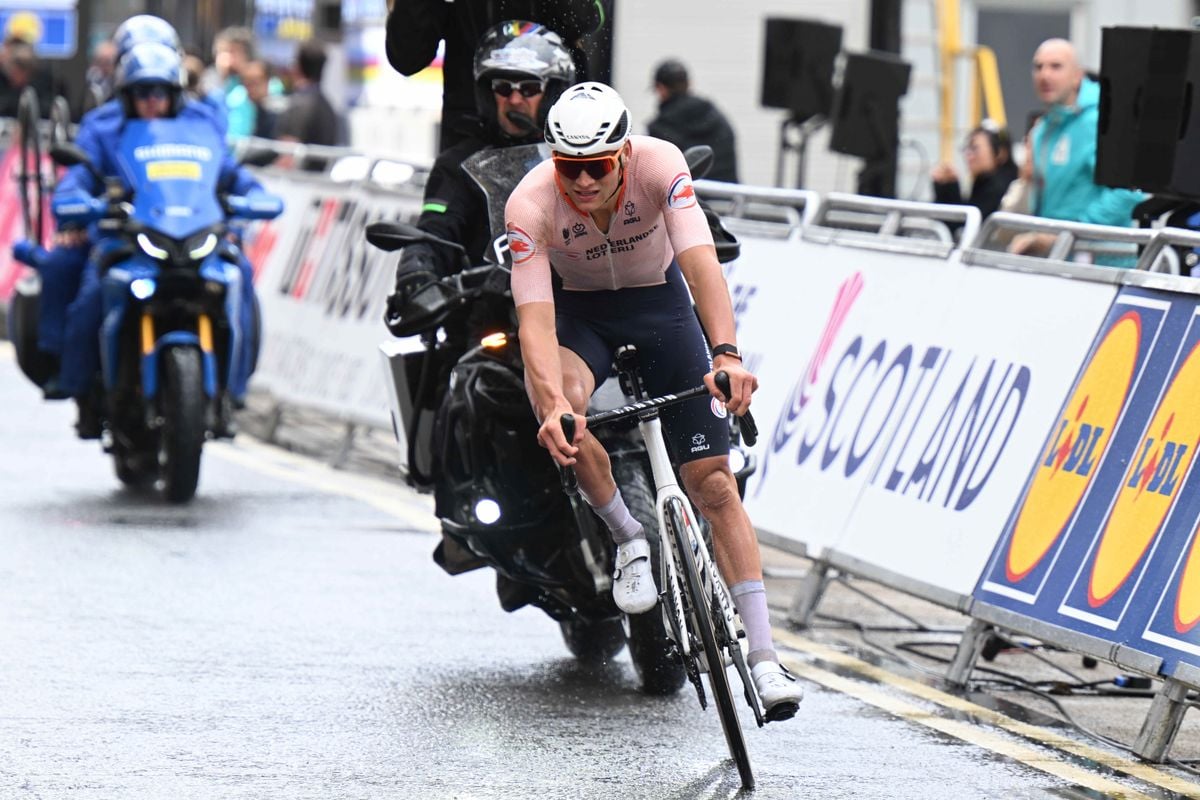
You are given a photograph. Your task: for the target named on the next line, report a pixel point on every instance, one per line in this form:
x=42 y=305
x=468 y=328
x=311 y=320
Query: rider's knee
x=576 y=392
x=714 y=489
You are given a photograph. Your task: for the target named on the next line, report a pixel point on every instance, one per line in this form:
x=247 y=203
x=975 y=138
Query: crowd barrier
x=1009 y=436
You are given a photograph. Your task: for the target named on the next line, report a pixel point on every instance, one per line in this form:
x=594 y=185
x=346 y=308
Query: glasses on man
x=595 y=166
x=503 y=88
x=150 y=91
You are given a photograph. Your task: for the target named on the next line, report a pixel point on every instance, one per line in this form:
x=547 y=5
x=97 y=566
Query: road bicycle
x=700 y=620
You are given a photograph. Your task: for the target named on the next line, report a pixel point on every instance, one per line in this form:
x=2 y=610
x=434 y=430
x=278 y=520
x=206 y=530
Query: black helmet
x=519 y=50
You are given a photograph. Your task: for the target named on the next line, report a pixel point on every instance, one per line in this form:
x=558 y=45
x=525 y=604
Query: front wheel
x=182 y=435
x=701 y=601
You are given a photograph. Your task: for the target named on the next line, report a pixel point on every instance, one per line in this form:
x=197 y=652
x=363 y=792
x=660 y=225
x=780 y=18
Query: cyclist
x=521 y=68
x=149 y=86
x=607 y=239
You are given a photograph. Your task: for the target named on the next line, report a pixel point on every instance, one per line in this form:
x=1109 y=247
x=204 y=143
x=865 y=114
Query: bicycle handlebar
x=745 y=422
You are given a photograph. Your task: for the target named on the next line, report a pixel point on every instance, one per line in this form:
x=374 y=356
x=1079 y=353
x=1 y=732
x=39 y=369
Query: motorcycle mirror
x=68 y=154
x=258 y=156
x=699 y=159
x=394 y=235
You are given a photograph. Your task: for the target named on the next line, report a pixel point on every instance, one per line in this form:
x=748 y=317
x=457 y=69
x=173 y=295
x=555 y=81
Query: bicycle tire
x=718 y=681
x=30 y=168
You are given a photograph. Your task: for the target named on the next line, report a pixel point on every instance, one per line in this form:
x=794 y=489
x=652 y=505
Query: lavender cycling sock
x=621 y=524
x=750 y=600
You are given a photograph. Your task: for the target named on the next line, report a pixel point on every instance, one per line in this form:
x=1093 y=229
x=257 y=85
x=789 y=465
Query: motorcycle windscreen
x=498 y=170
x=173 y=167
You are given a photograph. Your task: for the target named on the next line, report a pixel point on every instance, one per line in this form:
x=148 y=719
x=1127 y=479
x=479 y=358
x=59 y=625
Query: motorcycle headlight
x=487 y=511
x=142 y=288
x=151 y=249
x=204 y=249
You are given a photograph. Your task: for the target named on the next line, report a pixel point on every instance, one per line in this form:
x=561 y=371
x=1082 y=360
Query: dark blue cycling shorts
x=672 y=353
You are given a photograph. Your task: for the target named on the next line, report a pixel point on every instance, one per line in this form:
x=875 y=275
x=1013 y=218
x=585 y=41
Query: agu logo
x=521 y=245
x=1069 y=462
x=1156 y=471
x=681 y=194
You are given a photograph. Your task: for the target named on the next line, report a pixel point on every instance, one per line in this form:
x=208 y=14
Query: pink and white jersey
x=656 y=217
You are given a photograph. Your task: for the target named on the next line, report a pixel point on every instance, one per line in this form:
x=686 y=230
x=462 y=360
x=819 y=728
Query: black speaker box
x=866 y=104
x=1148 y=116
x=798 y=65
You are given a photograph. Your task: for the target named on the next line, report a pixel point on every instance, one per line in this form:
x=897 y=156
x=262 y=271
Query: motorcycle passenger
x=521 y=68
x=149 y=86
x=607 y=238
x=61 y=268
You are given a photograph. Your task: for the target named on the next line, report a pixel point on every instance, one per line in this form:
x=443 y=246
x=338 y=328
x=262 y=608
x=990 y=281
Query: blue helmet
x=150 y=63
x=144 y=28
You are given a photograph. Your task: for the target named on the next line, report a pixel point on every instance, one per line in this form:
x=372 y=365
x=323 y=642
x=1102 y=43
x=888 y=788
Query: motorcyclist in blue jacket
x=62 y=267
x=149 y=86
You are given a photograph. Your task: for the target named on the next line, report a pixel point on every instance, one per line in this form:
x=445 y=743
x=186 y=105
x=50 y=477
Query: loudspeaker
x=866 y=105
x=798 y=66
x=1148 y=130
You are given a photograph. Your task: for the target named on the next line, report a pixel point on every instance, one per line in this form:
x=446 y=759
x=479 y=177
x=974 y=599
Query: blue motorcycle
x=170 y=335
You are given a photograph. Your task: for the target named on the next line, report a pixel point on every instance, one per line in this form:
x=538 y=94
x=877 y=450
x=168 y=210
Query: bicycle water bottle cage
x=627 y=372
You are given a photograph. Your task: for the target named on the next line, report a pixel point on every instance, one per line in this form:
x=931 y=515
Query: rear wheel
x=182 y=435
x=701 y=601
x=23 y=311
x=654 y=657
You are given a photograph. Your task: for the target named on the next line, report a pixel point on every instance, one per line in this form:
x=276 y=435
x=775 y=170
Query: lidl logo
x=1151 y=484
x=1080 y=437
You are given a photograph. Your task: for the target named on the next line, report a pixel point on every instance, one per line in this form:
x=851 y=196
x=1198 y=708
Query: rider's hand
x=741 y=383
x=416 y=270
x=551 y=437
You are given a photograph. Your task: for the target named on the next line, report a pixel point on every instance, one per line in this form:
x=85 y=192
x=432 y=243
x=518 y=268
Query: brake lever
x=745 y=422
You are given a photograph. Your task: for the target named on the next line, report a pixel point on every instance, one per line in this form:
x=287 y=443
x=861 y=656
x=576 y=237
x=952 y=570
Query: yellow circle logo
x=1071 y=458
x=1156 y=471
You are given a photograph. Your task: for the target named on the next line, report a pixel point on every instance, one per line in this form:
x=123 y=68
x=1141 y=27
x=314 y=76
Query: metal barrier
x=899 y=226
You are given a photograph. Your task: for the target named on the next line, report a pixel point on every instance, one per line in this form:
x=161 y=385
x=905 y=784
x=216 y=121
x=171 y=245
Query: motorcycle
x=171 y=298
x=469 y=436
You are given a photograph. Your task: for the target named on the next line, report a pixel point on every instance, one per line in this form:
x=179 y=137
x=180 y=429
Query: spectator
x=1016 y=199
x=99 y=76
x=415 y=27
x=309 y=117
x=1064 y=151
x=233 y=48
x=988 y=155
x=686 y=120
x=19 y=69
x=256 y=77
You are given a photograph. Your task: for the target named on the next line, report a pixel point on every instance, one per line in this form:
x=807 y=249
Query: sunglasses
x=597 y=168
x=150 y=91
x=503 y=88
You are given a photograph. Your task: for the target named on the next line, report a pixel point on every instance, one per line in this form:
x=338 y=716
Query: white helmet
x=589 y=118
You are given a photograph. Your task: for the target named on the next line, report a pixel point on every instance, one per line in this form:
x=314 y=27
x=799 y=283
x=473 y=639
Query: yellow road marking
x=1126 y=766
x=1043 y=760
x=386 y=496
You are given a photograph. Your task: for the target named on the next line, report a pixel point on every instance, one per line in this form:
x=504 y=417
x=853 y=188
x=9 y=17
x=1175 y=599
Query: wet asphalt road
x=277 y=638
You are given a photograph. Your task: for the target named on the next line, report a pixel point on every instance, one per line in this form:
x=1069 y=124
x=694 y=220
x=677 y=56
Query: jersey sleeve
x=669 y=176
x=525 y=221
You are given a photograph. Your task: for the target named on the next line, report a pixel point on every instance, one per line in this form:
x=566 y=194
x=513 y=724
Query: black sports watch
x=726 y=350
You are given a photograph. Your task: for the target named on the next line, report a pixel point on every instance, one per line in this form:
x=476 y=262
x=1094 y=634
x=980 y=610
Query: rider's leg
x=712 y=487
x=81 y=350
x=633 y=584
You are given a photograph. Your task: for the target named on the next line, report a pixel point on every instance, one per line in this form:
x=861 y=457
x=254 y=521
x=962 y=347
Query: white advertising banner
x=322 y=288
x=998 y=371
x=842 y=340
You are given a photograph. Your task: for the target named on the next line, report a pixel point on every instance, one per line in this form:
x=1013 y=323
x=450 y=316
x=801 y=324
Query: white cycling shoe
x=778 y=690
x=633 y=580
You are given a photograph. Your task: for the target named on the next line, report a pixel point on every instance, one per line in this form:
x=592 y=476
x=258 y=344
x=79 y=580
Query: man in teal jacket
x=1064 y=151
